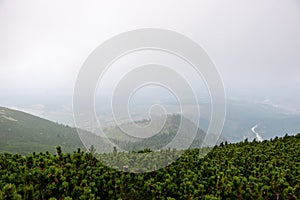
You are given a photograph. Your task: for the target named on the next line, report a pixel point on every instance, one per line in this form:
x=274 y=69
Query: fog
x=255 y=46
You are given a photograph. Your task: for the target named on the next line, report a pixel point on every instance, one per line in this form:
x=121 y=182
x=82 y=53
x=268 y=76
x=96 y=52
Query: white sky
x=255 y=44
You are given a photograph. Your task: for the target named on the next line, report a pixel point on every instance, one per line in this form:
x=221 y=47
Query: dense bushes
x=246 y=170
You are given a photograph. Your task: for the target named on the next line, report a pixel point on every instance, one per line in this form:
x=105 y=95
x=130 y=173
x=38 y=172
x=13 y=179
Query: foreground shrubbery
x=247 y=170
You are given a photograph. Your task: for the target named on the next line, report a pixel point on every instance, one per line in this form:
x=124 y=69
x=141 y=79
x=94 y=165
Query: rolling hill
x=24 y=133
x=183 y=132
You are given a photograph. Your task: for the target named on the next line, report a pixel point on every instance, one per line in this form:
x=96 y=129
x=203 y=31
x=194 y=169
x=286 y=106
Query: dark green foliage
x=145 y=151
x=246 y=170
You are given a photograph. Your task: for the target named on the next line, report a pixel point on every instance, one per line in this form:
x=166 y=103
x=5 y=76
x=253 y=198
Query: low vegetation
x=245 y=170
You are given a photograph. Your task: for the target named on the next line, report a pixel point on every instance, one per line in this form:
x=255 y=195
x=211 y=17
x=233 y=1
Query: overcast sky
x=255 y=44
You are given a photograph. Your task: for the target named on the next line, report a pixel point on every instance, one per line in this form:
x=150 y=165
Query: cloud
x=254 y=44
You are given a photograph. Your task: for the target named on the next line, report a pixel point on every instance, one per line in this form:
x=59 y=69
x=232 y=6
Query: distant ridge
x=192 y=136
x=24 y=133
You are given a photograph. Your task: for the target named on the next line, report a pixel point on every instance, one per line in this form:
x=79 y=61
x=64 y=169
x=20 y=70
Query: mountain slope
x=191 y=135
x=24 y=133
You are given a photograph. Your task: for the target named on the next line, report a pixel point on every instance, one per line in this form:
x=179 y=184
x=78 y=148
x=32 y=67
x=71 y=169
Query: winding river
x=258 y=136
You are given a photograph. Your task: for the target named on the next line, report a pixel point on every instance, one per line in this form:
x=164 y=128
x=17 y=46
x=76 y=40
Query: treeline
x=245 y=170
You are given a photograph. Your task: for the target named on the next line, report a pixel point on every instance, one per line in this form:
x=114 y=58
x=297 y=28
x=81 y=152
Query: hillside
x=190 y=135
x=24 y=133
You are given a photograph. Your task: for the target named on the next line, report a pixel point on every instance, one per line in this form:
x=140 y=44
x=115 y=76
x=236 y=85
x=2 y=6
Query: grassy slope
x=24 y=133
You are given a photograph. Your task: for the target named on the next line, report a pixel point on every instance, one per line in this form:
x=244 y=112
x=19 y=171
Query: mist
x=255 y=46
